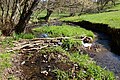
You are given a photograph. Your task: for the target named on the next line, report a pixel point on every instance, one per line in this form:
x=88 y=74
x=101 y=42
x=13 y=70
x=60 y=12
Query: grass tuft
x=23 y=36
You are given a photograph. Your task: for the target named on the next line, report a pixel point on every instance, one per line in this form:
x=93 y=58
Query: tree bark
x=72 y=14
x=25 y=17
x=49 y=12
x=6 y=32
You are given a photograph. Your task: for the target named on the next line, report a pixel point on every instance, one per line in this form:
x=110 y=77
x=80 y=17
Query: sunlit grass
x=64 y=30
x=110 y=18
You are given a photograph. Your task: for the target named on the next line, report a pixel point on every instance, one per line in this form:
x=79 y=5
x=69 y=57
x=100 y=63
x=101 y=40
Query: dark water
x=106 y=58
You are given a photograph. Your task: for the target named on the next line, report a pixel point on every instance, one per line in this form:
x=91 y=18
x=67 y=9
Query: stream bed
x=107 y=59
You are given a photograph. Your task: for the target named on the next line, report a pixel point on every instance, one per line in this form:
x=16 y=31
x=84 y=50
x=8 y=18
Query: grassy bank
x=86 y=67
x=110 y=18
x=65 y=30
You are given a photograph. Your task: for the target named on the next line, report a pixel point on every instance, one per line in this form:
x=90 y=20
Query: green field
x=111 y=18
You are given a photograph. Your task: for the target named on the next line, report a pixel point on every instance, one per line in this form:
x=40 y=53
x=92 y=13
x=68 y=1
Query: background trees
x=14 y=15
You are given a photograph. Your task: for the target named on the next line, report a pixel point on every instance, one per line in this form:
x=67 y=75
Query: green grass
x=93 y=70
x=64 y=30
x=5 y=62
x=23 y=36
x=37 y=15
x=110 y=18
x=88 y=69
x=7 y=42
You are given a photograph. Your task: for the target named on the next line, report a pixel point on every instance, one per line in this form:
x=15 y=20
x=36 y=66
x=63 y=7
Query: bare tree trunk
x=72 y=12
x=24 y=18
x=49 y=12
x=6 y=32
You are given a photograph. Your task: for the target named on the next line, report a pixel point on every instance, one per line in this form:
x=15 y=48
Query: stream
x=104 y=58
x=107 y=59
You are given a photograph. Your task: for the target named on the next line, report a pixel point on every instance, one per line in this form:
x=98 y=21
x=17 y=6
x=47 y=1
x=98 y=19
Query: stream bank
x=109 y=39
x=113 y=33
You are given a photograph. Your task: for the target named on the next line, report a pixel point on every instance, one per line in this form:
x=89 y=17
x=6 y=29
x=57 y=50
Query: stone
x=43 y=36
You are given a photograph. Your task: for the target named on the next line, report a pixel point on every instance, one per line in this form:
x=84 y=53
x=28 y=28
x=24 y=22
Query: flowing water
x=106 y=58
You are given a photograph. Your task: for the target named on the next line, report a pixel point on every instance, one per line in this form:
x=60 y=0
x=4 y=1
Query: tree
x=51 y=5
x=103 y=3
x=15 y=14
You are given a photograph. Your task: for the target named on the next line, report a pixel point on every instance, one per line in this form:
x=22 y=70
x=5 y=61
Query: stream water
x=107 y=59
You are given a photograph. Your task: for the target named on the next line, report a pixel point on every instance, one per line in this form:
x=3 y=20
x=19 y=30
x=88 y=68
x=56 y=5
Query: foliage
x=53 y=49
x=63 y=31
x=5 y=60
x=93 y=70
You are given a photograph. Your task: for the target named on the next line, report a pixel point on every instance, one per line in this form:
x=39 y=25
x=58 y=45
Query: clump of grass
x=23 y=36
x=7 y=42
x=70 y=43
x=4 y=62
x=64 y=30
